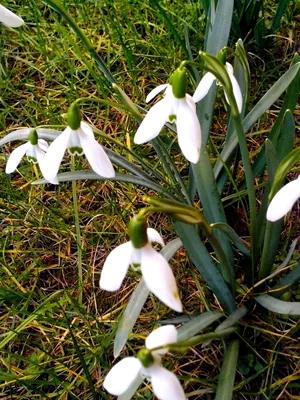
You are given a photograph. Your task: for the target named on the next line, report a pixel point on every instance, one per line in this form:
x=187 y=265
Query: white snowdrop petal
x=166 y=385
x=96 y=156
x=153 y=122
x=10 y=19
x=54 y=155
x=16 y=157
x=159 y=278
x=154 y=236
x=115 y=267
x=155 y=92
x=121 y=376
x=43 y=144
x=203 y=87
x=235 y=87
x=160 y=337
x=189 y=132
x=284 y=200
x=86 y=128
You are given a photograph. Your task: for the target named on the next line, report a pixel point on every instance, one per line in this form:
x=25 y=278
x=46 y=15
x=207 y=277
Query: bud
x=178 y=80
x=33 y=137
x=145 y=357
x=137 y=230
x=74 y=116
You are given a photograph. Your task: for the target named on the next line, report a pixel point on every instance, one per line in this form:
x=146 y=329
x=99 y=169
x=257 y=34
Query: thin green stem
x=78 y=234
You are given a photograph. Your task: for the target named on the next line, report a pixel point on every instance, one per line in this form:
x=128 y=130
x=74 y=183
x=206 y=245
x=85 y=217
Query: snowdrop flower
x=207 y=81
x=10 y=19
x=175 y=106
x=34 y=149
x=165 y=384
x=284 y=200
x=138 y=251
x=78 y=138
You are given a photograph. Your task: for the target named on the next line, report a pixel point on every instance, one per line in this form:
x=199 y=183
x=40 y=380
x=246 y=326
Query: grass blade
x=279 y=14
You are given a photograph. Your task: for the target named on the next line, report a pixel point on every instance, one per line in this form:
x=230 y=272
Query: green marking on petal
x=32 y=160
x=172 y=118
x=75 y=151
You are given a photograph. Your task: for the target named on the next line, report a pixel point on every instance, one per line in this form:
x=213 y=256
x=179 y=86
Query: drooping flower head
x=207 y=81
x=165 y=384
x=176 y=106
x=284 y=200
x=10 y=19
x=34 y=149
x=138 y=251
x=79 y=139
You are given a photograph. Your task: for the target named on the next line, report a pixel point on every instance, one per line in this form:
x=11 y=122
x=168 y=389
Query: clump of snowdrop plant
x=139 y=253
x=79 y=139
x=284 y=200
x=35 y=150
x=165 y=384
x=10 y=19
x=176 y=106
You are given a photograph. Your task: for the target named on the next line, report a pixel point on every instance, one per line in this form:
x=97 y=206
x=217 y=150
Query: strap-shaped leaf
x=228 y=371
x=197 y=324
x=278 y=306
x=204 y=264
x=137 y=301
x=292 y=278
x=233 y=236
x=232 y=319
x=84 y=175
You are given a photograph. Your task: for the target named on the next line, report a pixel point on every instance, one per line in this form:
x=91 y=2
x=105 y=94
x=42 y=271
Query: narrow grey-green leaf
x=197 y=324
x=289 y=255
x=233 y=236
x=278 y=306
x=287 y=282
x=137 y=301
x=232 y=319
x=84 y=175
x=204 y=264
x=228 y=371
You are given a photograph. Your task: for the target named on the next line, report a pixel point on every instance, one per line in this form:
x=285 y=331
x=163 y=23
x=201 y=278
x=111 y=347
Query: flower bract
x=78 y=141
x=10 y=19
x=155 y=269
x=34 y=152
x=170 y=108
x=207 y=81
x=165 y=384
x=284 y=200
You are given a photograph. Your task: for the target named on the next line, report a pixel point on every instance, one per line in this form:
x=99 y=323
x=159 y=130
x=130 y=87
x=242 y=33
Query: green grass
x=57 y=348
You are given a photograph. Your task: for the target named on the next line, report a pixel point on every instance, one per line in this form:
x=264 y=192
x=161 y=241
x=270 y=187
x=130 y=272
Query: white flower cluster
x=49 y=158
x=164 y=383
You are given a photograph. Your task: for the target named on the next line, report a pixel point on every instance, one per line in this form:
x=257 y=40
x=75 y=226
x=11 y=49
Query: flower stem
x=78 y=233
